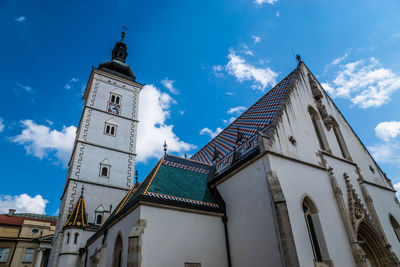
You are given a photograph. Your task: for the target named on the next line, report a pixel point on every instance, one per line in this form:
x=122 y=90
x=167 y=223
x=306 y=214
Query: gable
x=294 y=122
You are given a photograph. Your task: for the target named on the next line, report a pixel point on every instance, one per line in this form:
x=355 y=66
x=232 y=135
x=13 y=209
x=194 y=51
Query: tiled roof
x=257 y=118
x=37 y=216
x=19 y=218
x=173 y=181
x=78 y=217
x=174 y=178
x=11 y=220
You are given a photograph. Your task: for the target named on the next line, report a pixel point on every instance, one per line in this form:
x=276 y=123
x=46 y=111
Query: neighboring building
x=288 y=183
x=103 y=158
x=25 y=239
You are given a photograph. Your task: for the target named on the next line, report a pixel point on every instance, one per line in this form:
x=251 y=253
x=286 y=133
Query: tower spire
x=120 y=50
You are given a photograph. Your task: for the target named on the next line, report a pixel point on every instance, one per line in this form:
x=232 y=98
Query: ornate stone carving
x=317 y=95
x=357 y=210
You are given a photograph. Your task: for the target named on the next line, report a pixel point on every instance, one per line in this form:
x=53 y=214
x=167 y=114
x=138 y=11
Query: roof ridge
x=200 y=162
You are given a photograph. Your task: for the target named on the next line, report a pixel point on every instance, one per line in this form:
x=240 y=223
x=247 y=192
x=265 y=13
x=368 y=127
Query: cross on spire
x=136 y=176
x=165 y=147
x=123 y=33
x=82 y=190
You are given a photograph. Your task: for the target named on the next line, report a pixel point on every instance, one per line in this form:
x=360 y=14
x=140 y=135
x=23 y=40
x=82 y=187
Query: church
x=288 y=183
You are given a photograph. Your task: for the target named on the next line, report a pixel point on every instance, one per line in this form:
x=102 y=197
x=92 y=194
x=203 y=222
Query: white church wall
x=92 y=156
x=101 y=97
x=96 y=132
x=69 y=255
x=122 y=227
x=298 y=180
x=173 y=237
x=296 y=121
x=252 y=232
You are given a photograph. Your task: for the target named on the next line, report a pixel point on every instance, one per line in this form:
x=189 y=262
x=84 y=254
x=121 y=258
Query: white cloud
x=260 y=2
x=387 y=130
x=211 y=133
x=229 y=93
x=339 y=59
x=364 y=83
x=277 y=13
x=256 y=39
x=154 y=109
x=169 y=84
x=386 y=153
x=1 y=125
x=217 y=69
x=41 y=141
x=236 y=110
x=23 y=203
x=243 y=71
x=20 y=19
x=231 y=119
x=70 y=83
x=25 y=87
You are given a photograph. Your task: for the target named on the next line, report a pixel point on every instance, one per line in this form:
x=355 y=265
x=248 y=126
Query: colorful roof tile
x=173 y=181
x=174 y=178
x=78 y=217
x=257 y=118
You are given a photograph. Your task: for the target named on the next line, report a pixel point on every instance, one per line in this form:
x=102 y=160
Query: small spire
x=216 y=154
x=185 y=156
x=123 y=33
x=165 y=147
x=239 y=136
x=137 y=177
x=82 y=190
x=298 y=57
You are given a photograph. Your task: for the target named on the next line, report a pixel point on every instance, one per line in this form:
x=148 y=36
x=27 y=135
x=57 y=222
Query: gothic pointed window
x=314 y=229
x=395 y=225
x=340 y=139
x=98 y=219
x=117 y=257
x=68 y=236
x=319 y=130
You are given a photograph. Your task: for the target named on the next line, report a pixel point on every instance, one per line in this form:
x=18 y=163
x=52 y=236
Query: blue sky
x=203 y=62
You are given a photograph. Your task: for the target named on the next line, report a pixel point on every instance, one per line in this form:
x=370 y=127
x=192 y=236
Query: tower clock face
x=113 y=108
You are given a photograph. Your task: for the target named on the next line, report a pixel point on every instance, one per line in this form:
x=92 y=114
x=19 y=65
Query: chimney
x=11 y=212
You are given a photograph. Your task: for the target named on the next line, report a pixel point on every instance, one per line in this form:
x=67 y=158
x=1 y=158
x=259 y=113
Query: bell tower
x=103 y=158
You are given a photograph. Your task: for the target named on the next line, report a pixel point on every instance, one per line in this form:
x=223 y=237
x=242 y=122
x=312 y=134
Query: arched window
x=112 y=98
x=117 y=258
x=68 y=236
x=340 y=139
x=117 y=100
x=76 y=238
x=319 y=130
x=98 y=219
x=314 y=228
x=395 y=225
x=104 y=171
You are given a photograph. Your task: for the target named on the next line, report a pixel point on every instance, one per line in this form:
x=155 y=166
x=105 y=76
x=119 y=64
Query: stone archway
x=373 y=245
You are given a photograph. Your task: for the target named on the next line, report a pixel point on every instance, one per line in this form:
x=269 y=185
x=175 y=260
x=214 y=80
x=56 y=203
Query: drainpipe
x=225 y=220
